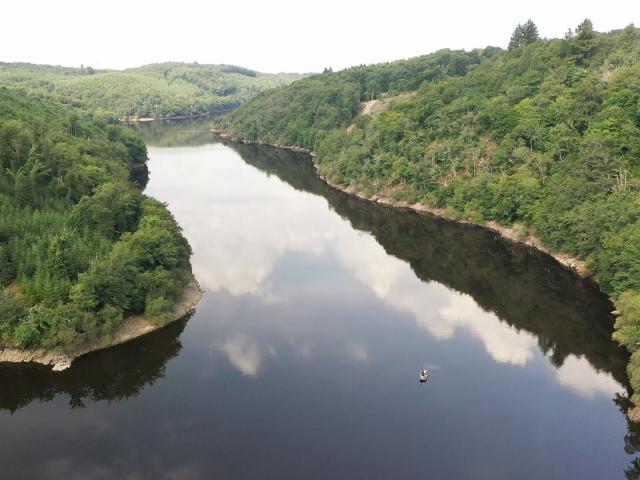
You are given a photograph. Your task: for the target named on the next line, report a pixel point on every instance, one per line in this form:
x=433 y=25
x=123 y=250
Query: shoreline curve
x=131 y=328
x=573 y=263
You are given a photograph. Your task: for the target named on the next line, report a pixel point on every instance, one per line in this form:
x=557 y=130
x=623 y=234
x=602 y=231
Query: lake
x=302 y=360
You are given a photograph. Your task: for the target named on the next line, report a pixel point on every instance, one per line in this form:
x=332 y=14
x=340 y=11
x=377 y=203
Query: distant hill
x=156 y=90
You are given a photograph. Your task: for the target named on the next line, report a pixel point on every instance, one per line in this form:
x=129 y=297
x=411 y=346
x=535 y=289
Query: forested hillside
x=305 y=112
x=544 y=136
x=80 y=245
x=157 y=90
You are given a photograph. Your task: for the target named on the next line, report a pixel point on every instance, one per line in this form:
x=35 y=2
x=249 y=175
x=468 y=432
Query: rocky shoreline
x=131 y=328
x=573 y=263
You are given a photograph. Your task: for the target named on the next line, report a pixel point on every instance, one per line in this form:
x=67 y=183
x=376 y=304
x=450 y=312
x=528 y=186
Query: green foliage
x=628 y=323
x=619 y=262
x=81 y=243
x=7 y=272
x=154 y=259
x=524 y=34
x=304 y=112
x=114 y=208
x=11 y=312
x=157 y=90
x=584 y=31
x=628 y=334
x=544 y=135
x=158 y=309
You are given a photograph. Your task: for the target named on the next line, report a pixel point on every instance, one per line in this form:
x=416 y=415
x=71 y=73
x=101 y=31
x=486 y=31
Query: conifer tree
x=524 y=34
x=529 y=32
x=516 y=38
x=6 y=267
x=585 y=37
x=585 y=30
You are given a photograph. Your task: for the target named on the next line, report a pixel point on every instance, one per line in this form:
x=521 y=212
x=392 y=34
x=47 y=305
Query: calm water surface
x=301 y=361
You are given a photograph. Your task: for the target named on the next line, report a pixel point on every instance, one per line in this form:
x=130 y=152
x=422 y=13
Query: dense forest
x=157 y=90
x=80 y=245
x=544 y=137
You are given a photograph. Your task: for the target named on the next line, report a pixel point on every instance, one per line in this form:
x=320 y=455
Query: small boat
x=424 y=374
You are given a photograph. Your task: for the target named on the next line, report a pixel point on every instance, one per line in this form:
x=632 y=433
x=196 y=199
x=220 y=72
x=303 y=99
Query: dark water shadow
x=115 y=374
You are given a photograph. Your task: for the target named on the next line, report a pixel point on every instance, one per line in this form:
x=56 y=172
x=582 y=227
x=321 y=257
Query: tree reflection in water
x=115 y=374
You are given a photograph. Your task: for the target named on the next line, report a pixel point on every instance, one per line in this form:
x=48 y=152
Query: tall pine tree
x=516 y=38
x=585 y=30
x=585 y=37
x=529 y=32
x=524 y=34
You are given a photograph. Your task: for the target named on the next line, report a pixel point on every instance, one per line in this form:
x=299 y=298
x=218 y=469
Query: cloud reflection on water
x=228 y=195
x=243 y=353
